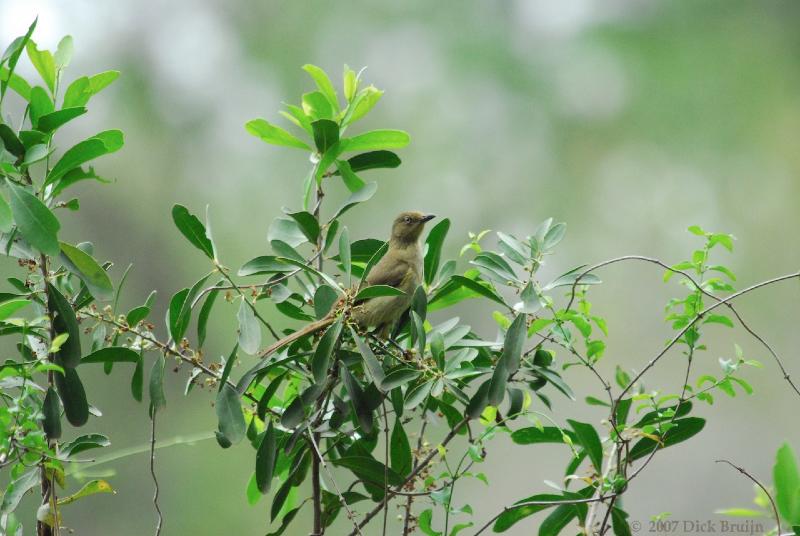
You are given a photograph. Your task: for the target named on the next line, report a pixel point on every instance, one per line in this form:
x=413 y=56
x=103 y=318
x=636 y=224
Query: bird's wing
x=387 y=272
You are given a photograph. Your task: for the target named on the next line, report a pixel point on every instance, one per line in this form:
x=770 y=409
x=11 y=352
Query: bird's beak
x=428 y=217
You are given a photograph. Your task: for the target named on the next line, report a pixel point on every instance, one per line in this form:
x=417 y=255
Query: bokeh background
x=628 y=119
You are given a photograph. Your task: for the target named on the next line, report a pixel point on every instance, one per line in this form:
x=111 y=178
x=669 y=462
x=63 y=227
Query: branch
x=701 y=314
x=422 y=465
x=350 y=515
x=760 y=485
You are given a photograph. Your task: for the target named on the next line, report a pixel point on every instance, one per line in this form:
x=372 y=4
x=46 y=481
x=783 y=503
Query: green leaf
x=85 y=267
x=399 y=377
x=69 y=355
x=377 y=291
x=401 y=459
x=554 y=236
x=266 y=456
x=352 y=181
x=177 y=323
x=54 y=120
x=434 y=243
x=10 y=307
x=375 y=140
x=546 y=434
x=44 y=63
x=73 y=396
x=416 y=394
x=362 y=195
x=191 y=228
x=373 y=160
x=326 y=134
x=51 y=409
x=17 y=489
x=424 y=521
x=718 y=319
x=590 y=441
x=90 y=488
x=273 y=134
x=365 y=100
x=684 y=429
x=112 y=354
x=81 y=90
x=156 y=387
x=82 y=443
x=494 y=267
x=229 y=413
x=101 y=144
x=513 y=343
x=515 y=514
x=37 y=153
x=321 y=361
x=558 y=519
x=787 y=484
x=11 y=56
x=266 y=264
x=249 y=329
x=323 y=83
x=36 y=223
x=316 y=106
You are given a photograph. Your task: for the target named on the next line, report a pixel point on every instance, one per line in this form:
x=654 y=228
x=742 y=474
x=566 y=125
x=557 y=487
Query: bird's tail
x=307 y=330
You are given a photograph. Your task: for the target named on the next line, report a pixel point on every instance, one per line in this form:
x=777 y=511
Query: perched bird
x=401 y=267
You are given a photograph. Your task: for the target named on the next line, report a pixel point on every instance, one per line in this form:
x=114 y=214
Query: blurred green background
x=628 y=119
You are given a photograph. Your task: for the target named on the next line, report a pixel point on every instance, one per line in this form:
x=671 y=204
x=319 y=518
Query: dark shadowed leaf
x=73 y=396
x=326 y=134
x=324 y=299
x=51 y=408
x=69 y=355
x=373 y=160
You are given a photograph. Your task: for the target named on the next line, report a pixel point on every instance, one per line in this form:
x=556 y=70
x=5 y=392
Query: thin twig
x=160 y=520
x=422 y=465
x=760 y=485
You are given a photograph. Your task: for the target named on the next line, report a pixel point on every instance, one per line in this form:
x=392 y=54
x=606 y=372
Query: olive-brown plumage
x=401 y=267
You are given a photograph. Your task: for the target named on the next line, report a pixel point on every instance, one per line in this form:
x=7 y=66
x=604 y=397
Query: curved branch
x=760 y=485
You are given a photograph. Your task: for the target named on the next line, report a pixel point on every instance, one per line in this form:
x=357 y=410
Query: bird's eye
x=407 y=219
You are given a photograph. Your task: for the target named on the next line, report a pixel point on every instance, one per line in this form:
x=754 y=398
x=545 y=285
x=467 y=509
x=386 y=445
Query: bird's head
x=408 y=226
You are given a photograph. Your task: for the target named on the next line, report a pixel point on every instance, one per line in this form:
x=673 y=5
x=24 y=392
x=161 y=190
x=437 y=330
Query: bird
x=400 y=267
